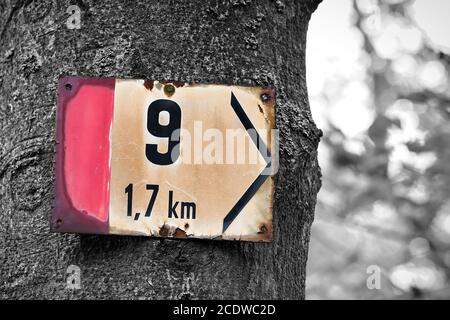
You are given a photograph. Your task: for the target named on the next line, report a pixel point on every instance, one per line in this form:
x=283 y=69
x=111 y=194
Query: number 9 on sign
x=171 y=131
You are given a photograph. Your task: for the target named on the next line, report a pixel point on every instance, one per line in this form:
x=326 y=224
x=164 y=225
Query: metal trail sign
x=164 y=159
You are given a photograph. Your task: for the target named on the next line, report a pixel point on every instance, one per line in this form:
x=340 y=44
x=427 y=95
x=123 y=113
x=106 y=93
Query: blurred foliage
x=385 y=196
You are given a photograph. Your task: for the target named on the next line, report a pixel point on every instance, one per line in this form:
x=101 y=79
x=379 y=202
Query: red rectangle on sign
x=84 y=122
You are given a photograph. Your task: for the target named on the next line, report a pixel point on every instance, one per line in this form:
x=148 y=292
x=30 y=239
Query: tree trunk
x=229 y=41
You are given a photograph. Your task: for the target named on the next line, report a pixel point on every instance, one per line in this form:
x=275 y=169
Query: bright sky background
x=336 y=64
x=339 y=94
x=334 y=55
x=433 y=16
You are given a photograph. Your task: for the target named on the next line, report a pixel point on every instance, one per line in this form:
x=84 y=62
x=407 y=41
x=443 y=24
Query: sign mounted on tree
x=164 y=159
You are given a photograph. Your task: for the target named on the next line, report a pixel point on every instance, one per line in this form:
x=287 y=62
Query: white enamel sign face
x=191 y=161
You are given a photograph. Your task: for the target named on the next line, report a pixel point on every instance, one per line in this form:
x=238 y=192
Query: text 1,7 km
x=175 y=209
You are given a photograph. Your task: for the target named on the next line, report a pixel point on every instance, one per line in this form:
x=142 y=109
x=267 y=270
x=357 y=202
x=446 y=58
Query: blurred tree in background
x=385 y=158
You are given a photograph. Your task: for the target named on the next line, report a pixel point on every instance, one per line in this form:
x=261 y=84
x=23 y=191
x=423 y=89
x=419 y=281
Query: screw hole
x=186 y=226
x=265 y=97
x=262 y=229
x=58 y=223
x=68 y=86
x=169 y=89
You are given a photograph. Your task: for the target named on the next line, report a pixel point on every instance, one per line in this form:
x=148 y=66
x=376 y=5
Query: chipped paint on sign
x=175 y=162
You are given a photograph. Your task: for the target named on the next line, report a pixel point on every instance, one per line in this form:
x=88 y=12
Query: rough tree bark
x=227 y=41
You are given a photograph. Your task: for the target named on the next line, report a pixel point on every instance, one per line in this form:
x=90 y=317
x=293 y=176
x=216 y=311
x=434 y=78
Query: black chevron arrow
x=260 y=145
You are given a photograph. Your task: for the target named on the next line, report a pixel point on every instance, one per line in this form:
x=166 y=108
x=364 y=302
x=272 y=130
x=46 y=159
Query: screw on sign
x=164 y=159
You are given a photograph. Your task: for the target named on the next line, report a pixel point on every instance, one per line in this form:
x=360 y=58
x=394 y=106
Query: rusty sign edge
x=77 y=223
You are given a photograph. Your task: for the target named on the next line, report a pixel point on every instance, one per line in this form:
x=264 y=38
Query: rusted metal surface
x=219 y=200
